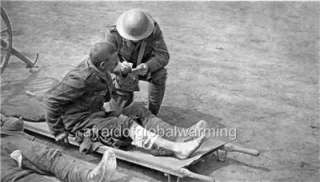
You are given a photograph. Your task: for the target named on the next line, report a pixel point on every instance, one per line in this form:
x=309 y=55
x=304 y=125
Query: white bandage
x=142 y=137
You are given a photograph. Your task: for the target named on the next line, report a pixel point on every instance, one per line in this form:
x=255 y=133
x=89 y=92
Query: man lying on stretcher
x=76 y=106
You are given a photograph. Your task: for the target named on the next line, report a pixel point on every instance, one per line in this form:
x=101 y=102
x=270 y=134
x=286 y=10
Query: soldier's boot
x=143 y=138
x=17 y=156
x=23 y=162
x=11 y=123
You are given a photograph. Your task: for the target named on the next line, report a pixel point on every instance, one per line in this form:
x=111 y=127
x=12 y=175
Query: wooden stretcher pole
x=193 y=175
x=236 y=148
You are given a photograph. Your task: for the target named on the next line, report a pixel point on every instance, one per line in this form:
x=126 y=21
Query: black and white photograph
x=159 y=91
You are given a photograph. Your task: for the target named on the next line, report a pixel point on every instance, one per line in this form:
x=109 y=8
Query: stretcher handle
x=193 y=175
x=236 y=148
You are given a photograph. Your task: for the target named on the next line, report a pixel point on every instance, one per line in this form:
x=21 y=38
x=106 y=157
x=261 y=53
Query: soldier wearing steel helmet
x=140 y=44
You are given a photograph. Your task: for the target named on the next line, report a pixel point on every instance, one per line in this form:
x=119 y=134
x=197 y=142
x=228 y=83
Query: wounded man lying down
x=25 y=159
x=77 y=106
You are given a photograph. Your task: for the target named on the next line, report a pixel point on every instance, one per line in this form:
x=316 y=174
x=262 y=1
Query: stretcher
x=170 y=166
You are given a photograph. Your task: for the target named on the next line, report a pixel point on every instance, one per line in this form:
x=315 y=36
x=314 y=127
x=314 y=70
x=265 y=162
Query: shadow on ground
x=186 y=117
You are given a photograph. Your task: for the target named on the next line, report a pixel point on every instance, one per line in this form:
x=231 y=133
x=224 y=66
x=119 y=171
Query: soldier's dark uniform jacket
x=156 y=54
x=77 y=101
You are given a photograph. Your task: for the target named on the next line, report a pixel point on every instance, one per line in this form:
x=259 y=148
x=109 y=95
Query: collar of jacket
x=104 y=76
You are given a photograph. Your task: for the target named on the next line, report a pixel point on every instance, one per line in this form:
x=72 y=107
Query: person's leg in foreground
x=66 y=168
x=44 y=160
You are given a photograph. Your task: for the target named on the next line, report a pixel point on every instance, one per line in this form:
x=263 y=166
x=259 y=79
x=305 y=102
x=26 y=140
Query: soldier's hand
x=143 y=69
x=62 y=138
x=126 y=68
x=116 y=106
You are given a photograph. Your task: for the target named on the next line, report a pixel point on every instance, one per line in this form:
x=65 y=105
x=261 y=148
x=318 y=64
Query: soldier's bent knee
x=159 y=77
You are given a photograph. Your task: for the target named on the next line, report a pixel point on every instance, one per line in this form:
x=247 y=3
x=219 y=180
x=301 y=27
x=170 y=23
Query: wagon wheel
x=6 y=39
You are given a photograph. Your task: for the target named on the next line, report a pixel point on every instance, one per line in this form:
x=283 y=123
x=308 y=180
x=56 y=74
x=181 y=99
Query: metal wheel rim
x=6 y=50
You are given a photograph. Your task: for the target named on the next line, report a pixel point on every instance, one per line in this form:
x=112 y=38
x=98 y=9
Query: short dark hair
x=100 y=52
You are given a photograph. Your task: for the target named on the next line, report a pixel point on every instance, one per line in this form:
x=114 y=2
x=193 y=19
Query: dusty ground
x=252 y=66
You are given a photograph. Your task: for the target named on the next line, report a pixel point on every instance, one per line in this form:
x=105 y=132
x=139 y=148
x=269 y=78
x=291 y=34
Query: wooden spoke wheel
x=6 y=39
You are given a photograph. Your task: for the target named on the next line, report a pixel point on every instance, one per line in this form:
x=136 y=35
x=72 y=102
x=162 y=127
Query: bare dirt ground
x=251 y=66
